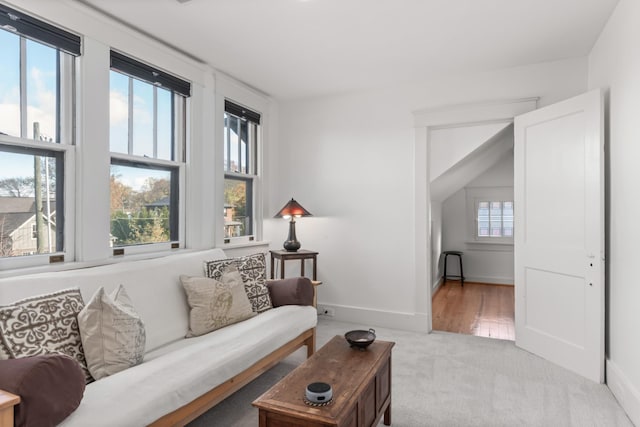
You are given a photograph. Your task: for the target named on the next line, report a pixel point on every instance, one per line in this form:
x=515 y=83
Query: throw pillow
x=112 y=332
x=43 y=324
x=253 y=270
x=216 y=303
x=291 y=291
x=50 y=388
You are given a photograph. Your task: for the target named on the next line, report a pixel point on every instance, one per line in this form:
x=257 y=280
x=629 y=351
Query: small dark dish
x=360 y=339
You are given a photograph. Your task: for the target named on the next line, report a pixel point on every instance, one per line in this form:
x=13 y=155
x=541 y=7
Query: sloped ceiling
x=488 y=153
x=450 y=145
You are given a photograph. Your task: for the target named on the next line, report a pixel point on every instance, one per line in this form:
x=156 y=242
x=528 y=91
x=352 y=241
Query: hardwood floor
x=476 y=309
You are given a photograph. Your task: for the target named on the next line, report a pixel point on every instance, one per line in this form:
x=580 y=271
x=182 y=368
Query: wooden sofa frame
x=200 y=405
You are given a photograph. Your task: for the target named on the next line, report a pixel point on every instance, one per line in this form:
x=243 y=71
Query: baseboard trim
x=625 y=393
x=416 y=322
x=491 y=280
x=436 y=286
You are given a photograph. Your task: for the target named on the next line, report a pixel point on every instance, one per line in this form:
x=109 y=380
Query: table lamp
x=292 y=210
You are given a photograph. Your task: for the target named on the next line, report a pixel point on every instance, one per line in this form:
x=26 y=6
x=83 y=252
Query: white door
x=559 y=233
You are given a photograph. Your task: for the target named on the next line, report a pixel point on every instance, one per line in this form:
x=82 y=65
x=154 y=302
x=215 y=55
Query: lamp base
x=291 y=245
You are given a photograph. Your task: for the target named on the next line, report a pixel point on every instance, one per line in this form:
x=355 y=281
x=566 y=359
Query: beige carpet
x=444 y=379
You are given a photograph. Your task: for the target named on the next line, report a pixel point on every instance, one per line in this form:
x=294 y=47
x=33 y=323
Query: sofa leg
x=311 y=344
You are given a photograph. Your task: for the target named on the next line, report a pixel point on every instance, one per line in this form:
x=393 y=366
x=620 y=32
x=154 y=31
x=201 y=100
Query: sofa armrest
x=7 y=402
x=292 y=291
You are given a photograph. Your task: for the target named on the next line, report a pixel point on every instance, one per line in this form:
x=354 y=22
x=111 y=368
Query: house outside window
x=490 y=213
x=241 y=142
x=36 y=135
x=147 y=143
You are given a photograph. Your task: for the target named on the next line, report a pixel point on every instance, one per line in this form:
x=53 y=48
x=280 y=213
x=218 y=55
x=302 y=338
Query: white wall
x=349 y=160
x=614 y=64
x=486 y=263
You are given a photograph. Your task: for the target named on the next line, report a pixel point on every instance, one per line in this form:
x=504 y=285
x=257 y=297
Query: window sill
x=75 y=265
x=474 y=245
x=236 y=245
x=485 y=242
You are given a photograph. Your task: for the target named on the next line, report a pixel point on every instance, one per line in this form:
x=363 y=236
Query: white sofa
x=180 y=377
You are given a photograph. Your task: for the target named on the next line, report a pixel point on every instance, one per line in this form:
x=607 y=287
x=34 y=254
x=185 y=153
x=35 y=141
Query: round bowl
x=360 y=339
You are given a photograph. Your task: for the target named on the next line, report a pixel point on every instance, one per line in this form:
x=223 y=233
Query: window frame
x=475 y=195
x=63 y=145
x=176 y=166
x=253 y=176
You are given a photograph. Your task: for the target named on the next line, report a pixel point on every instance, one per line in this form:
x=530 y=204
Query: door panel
x=559 y=233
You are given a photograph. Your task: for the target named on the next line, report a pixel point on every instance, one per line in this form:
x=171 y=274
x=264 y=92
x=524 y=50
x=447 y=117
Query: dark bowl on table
x=360 y=339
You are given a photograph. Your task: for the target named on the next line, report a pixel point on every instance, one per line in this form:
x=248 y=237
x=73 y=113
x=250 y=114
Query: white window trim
x=181 y=142
x=474 y=195
x=86 y=213
x=226 y=88
x=66 y=145
x=19 y=262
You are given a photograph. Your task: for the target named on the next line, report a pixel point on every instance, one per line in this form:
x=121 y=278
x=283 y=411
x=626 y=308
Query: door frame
x=499 y=111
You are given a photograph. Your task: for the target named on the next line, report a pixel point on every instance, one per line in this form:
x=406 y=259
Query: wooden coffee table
x=361 y=382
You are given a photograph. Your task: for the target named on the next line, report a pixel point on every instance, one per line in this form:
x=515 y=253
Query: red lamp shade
x=292 y=209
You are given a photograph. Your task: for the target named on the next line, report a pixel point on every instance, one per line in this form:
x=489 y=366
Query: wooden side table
x=301 y=254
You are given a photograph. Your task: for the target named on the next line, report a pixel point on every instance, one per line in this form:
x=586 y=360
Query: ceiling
x=302 y=48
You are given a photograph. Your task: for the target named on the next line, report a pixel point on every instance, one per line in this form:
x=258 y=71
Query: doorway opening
x=471 y=199
x=457 y=150
x=559 y=268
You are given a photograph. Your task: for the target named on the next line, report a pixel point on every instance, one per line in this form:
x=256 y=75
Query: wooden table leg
x=315 y=269
x=302 y=268
x=282 y=268
x=387 y=415
x=272 y=266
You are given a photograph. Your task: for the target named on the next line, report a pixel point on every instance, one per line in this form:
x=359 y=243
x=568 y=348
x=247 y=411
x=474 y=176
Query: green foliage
x=142 y=226
x=133 y=221
x=235 y=194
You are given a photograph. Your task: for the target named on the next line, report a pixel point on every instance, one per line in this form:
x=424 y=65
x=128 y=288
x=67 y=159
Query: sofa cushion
x=43 y=324
x=253 y=270
x=291 y=291
x=216 y=303
x=50 y=388
x=112 y=332
x=177 y=373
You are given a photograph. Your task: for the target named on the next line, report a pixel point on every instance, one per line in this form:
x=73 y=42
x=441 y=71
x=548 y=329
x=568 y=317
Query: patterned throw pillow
x=43 y=324
x=113 y=334
x=216 y=303
x=253 y=270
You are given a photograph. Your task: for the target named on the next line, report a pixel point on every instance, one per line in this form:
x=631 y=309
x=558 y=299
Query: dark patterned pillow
x=41 y=325
x=253 y=270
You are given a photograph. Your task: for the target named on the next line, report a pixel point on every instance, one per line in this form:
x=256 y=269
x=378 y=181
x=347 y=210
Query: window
x=241 y=139
x=490 y=215
x=36 y=123
x=494 y=219
x=147 y=143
